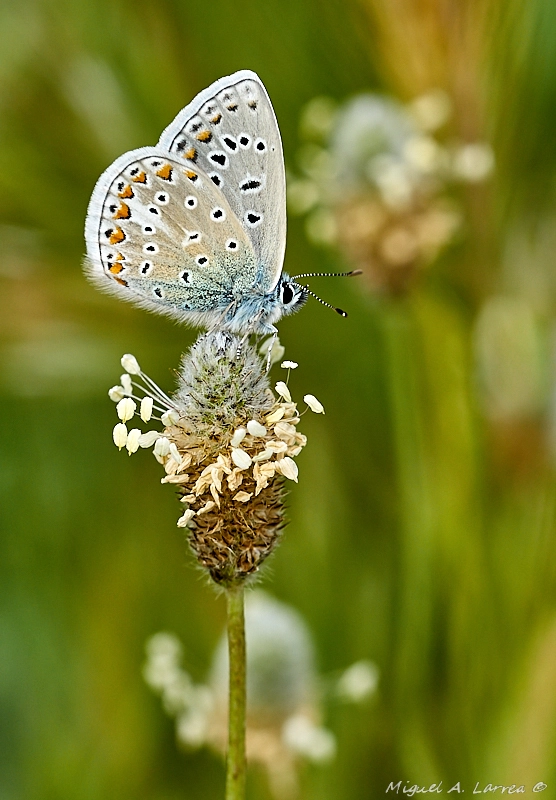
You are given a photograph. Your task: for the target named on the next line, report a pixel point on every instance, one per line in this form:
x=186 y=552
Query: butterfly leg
x=246 y=335
x=221 y=320
x=273 y=331
x=255 y=324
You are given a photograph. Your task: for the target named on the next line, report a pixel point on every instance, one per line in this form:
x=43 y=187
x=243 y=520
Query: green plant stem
x=235 y=762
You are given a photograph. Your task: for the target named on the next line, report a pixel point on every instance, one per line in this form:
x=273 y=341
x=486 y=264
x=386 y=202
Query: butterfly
x=195 y=228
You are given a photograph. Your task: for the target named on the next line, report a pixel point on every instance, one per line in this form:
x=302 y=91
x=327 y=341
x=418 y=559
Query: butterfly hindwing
x=161 y=234
x=230 y=131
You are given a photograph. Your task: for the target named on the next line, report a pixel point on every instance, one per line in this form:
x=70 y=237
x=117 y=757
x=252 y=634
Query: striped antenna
x=328 y=305
x=328 y=274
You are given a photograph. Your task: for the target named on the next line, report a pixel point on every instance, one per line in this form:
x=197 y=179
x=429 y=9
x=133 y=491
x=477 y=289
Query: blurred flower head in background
x=376 y=182
x=284 y=697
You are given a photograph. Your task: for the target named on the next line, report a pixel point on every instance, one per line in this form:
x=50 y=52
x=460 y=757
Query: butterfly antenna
x=337 y=310
x=328 y=274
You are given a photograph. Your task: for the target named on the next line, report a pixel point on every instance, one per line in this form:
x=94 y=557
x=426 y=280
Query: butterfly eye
x=190 y=201
x=287 y=294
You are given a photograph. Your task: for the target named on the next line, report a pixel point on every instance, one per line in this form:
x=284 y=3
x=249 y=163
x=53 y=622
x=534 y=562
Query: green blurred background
x=422 y=529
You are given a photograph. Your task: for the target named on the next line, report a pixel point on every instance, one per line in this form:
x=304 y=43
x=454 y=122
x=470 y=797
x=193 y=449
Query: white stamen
x=288 y=468
x=146 y=408
x=283 y=391
x=116 y=393
x=276 y=447
x=207 y=507
x=162 y=447
x=243 y=497
x=314 y=404
x=241 y=459
x=284 y=431
x=119 y=434
x=149 y=438
x=276 y=416
x=238 y=437
x=255 y=428
x=130 y=364
x=185 y=518
x=125 y=380
x=358 y=681
x=132 y=442
x=301 y=735
x=264 y=456
x=289 y=365
x=170 y=417
x=175 y=453
x=126 y=409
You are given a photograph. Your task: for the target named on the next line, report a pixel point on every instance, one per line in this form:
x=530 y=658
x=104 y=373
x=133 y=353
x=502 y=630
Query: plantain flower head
x=228 y=443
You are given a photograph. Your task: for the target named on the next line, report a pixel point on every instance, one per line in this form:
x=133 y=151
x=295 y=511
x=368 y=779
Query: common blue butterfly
x=195 y=228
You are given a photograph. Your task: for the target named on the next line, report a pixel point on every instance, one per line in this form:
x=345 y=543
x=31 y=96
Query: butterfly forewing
x=230 y=132
x=162 y=234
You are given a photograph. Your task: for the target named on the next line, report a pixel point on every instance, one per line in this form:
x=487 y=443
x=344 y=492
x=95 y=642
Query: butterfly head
x=291 y=295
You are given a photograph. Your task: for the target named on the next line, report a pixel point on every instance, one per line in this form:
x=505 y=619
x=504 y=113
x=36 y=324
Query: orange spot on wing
x=117 y=236
x=190 y=154
x=121 y=280
x=123 y=212
x=126 y=193
x=141 y=178
x=216 y=119
x=115 y=268
x=165 y=172
x=191 y=175
x=204 y=136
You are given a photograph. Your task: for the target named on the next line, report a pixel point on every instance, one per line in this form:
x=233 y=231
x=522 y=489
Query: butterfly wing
x=230 y=131
x=161 y=234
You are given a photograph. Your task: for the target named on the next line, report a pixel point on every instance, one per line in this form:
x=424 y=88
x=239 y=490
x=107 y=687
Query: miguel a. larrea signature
x=411 y=789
